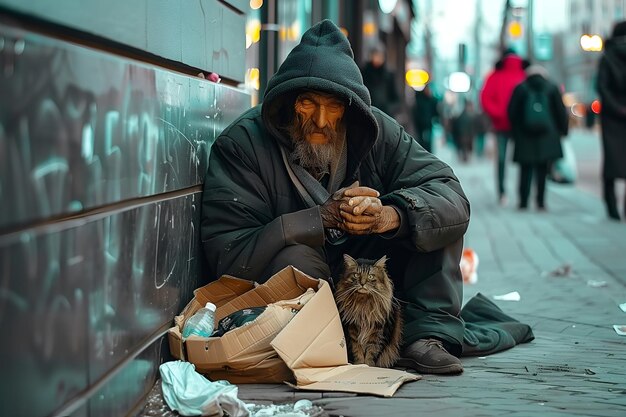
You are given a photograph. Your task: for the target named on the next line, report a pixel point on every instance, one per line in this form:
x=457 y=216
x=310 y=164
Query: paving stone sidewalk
x=569 y=267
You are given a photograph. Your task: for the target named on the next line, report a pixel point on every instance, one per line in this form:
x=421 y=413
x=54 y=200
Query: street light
x=417 y=78
x=591 y=43
x=387 y=6
x=459 y=82
x=515 y=29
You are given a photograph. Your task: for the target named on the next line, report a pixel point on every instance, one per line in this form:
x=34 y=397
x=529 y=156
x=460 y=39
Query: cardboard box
x=243 y=355
x=308 y=347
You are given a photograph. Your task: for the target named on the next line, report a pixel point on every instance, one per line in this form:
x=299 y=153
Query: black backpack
x=537 y=116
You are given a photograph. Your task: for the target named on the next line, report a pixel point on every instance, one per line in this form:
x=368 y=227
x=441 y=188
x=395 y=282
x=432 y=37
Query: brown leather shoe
x=428 y=356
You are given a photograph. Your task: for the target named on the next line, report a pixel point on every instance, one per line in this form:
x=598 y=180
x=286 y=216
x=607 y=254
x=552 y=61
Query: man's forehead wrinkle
x=323 y=95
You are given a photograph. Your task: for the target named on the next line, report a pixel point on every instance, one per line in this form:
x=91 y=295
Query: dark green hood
x=322 y=61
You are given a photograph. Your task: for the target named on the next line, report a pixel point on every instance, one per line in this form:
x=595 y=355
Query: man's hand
x=367 y=215
x=331 y=209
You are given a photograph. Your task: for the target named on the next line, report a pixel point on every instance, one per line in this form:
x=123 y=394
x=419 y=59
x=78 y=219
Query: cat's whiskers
x=382 y=299
x=343 y=293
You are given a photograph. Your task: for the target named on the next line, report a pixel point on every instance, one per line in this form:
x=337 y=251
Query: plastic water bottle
x=201 y=324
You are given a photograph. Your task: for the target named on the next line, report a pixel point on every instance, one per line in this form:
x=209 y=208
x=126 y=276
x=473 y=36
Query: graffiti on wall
x=90 y=267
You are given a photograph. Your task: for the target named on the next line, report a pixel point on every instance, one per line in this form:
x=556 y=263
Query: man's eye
x=306 y=103
x=334 y=107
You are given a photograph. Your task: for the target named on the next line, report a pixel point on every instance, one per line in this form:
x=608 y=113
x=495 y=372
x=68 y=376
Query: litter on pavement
x=623 y=307
x=191 y=394
x=620 y=329
x=596 y=284
x=302 y=408
x=564 y=270
x=469 y=266
x=511 y=296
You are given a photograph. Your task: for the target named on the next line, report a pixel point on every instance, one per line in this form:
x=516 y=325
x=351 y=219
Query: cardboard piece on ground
x=314 y=348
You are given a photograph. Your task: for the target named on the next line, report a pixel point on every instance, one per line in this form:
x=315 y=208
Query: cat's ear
x=381 y=262
x=349 y=261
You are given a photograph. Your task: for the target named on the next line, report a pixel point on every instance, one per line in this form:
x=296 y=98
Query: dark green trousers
x=429 y=285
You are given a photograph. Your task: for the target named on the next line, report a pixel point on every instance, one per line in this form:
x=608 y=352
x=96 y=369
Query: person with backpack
x=538 y=121
x=495 y=96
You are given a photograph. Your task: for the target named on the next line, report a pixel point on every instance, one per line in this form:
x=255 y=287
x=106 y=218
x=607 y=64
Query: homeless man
x=315 y=172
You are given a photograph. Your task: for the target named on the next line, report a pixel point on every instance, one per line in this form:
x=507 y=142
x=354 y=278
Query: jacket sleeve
x=240 y=232
x=489 y=100
x=425 y=189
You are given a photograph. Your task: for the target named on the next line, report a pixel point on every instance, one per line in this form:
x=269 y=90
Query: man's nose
x=320 y=117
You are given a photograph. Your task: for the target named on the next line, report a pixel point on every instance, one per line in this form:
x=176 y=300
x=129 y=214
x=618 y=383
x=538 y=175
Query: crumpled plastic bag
x=191 y=394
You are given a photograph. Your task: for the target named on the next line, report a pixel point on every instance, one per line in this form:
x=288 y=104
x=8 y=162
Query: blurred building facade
x=587 y=17
x=275 y=27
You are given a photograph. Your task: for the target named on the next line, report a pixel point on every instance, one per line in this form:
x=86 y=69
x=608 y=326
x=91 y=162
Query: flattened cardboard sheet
x=314 y=348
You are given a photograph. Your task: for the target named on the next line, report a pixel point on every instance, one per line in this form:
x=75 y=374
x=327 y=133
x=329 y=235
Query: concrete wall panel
x=206 y=34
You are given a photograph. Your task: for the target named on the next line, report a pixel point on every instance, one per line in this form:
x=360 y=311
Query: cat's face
x=365 y=277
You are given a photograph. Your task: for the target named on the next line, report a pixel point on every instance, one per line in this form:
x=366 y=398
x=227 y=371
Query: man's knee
x=302 y=257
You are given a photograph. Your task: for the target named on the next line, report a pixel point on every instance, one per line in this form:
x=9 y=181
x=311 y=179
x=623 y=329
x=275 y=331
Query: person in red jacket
x=494 y=98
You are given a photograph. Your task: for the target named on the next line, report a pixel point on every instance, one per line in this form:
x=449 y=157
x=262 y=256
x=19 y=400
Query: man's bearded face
x=314 y=129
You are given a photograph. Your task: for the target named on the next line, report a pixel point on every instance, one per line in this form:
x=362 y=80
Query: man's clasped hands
x=357 y=210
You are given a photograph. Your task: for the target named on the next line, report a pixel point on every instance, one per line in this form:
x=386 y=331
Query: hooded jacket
x=251 y=209
x=498 y=88
x=611 y=85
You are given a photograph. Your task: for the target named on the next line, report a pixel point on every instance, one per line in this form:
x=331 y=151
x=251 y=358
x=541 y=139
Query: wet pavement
x=569 y=267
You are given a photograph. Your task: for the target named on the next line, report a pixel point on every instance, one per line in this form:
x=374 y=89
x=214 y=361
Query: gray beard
x=315 y=158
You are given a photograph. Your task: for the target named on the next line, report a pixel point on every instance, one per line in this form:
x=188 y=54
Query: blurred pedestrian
x=494 y=98
x=463 y=131
x=481 y=127
x=538 y=121
x=380 y=81
x=425 y=112
x=612 y=90
x=447 y=112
